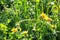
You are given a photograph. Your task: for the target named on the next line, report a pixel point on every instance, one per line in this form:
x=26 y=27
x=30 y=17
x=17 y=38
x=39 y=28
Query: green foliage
x=29 y=19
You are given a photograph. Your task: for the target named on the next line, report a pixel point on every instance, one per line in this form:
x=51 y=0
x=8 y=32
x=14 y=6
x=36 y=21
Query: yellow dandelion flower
x=44 y=16
x=14 y=30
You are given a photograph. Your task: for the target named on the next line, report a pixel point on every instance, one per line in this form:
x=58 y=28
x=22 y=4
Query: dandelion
x=14 y=30
x=44 y=16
